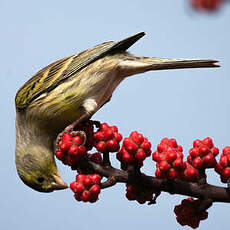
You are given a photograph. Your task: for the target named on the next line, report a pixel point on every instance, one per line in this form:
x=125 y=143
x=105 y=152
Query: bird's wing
x=51 y=76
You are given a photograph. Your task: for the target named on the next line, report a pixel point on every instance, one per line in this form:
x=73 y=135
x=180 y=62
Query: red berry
x=189 y=159
x=226 y=150
x=191 y=174
x=137 y=137
x=159 y=174
x=164 y=166
x=209 y=160
x=112 y=145
x=172 y=174
x=109 y=134
x=95 y=190
x=226 y=173
x=160 y=148
x=128 y=158
x=65 y=145
x=82 y=151
x=208 y=141
x=99 y=135
x=173 y=143
x=114 y=128
x=223 y=161
x=78 y=140
x=203 y=150
x=160 y=157
x=140 y=155
x=194 y=152
x=73 y=151
x=67 y=137
x=60 y=155
x=73 y=186
x=79 y=188
x=80 y=177
x=154 y=156
x=197 y=163
x=87 y=182
x=171 y=156
x=101 y=146
x=131 y=147
x=215 y=151
x=85 y=196
x=104 y=126
x=218 y=168
x=178 y=163
x=96 y=178
x=146 y=146
x=118 y=137
x=196 y=143
x=228 y=157
x=180 y=148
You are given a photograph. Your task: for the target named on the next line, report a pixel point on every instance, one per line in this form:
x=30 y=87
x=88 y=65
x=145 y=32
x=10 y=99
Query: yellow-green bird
x=68 y=92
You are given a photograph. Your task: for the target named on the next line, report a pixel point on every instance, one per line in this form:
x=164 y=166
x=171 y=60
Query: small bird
x=68 y=92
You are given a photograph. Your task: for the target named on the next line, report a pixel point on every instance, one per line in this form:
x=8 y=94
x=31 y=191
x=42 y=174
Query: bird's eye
x=40 y=179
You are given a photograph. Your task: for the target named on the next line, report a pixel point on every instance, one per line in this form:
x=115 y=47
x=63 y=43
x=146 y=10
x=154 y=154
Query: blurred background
x=181 y=104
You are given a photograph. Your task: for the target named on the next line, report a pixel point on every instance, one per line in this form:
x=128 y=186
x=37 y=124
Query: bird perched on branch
x=68 y=92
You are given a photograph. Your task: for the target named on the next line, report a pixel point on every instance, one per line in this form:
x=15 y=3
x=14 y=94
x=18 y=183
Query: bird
x=68 y=92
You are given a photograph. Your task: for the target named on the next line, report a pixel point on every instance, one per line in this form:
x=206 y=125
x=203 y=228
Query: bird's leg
x=90 y=106
x=86 y=116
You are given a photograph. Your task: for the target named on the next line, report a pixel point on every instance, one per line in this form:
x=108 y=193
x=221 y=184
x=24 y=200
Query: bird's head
x=37 y=169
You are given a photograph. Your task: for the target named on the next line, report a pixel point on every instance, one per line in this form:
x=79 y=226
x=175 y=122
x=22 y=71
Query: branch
x=202 y=191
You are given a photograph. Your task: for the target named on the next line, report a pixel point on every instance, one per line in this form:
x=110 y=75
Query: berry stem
x=106 y=159
x=228 y=183
x=202 y=179
x=111 y=181
x=206 y=204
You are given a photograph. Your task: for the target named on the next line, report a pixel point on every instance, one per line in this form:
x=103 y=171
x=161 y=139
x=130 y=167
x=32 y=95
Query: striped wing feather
x=51 y=76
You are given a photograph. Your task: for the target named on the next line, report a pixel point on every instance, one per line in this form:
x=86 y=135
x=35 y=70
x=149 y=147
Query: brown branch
x=202 y=191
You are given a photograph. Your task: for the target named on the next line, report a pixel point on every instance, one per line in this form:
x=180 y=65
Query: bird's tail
x=130 y=65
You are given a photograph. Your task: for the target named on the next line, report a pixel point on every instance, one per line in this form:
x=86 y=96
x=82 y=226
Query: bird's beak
x=58 y=183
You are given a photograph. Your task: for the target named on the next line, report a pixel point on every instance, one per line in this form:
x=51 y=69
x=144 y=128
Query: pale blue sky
x=184 y=104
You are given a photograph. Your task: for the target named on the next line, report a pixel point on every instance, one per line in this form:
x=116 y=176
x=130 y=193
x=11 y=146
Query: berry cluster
x=169 y=158
x=138 y=193
x=71 y=149
x=203 y=154
x=86 y=187
x=206 y=5
x=107 y=138
x=223 y=166
x=135 y=149
x=187 y=214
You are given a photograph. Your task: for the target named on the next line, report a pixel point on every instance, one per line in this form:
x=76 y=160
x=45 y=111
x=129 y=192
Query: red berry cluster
x=223 y=166
x=138 y=193
x=206 y=5
x=169 y=158
x=71 y=149
x=86 y=187
x=187 y=215
x=135 y=149
x=203 y=154
x=107 y=138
